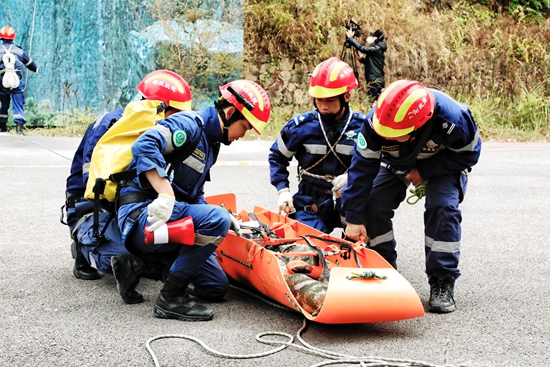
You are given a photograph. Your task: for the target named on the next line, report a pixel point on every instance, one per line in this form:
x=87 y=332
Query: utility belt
x=393 y=169
x=73 y=197
x=133 y=197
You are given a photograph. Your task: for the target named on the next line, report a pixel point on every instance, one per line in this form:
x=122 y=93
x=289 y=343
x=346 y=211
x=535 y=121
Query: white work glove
x=338 y=184
x=159 y=211
x=235 y=226
x=285 y=201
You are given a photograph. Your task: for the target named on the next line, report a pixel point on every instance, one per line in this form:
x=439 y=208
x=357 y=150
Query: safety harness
x=310 y=190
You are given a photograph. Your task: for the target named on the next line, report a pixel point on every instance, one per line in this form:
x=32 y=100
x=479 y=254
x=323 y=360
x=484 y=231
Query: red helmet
x=403 y=106
x=251 y=100
x=331 y=78
x=7 y=33
x=168 y=87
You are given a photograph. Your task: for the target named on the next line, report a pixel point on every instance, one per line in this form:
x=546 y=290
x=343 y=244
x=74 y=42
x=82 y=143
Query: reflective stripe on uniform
x=386 y=237
x=344 y=149
x=167 y=135
x=283 y=149
x=442 y=246
x=370 y=154
x=316 y=148
x=194 y=164
x=468 y=148
x=202 y=240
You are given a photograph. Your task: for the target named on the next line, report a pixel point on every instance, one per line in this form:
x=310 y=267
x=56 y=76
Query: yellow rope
x=417 y=193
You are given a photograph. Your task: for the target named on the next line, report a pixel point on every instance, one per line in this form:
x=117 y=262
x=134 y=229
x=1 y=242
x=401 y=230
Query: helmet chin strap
x=330 y=118
x=226 y=123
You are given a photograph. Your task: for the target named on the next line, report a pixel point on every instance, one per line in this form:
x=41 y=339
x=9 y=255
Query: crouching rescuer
x=167 y=190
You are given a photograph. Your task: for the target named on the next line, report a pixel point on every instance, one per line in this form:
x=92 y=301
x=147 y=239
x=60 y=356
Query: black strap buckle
x=311 y=209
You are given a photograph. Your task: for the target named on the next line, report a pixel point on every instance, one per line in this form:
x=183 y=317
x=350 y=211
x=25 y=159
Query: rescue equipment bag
x=113 y=151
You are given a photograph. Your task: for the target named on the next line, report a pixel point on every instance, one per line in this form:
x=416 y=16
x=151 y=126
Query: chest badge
x=350 y=135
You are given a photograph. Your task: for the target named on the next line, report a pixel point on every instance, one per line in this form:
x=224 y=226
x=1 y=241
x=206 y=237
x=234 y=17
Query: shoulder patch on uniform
x=361 y=141
x=300 y=119
x=179 y=137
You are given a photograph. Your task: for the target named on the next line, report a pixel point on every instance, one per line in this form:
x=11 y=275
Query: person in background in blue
x=164 y=192
x=161 y=85
x=12 y=86
x=322 y=142
x=420 y=136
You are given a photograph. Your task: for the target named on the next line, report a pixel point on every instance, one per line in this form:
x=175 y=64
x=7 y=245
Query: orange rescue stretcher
x=360 y=286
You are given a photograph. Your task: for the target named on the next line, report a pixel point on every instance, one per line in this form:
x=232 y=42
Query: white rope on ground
x=334 y=358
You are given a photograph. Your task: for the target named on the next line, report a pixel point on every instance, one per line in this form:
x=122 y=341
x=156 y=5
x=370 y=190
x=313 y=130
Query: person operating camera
x=374 y=59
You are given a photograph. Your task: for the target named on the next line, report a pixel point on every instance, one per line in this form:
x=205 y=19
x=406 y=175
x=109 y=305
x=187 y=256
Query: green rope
x=417 y=193
x=366 y=275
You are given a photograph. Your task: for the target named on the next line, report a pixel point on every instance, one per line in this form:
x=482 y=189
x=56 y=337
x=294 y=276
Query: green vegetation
x=492 y=54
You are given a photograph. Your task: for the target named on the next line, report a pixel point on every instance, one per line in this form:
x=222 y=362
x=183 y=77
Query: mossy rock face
x=309 y=292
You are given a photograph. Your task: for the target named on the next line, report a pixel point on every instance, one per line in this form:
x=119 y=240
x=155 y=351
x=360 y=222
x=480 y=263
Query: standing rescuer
x=414 y=135
x=374 y=59
x=322 y=142
x=12 y=86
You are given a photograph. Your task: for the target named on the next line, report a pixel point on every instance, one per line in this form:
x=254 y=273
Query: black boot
x=81 y=269
x=19 y=129
x=173 y=302
x=441 y=294
x=127 y=270
x=3 y=127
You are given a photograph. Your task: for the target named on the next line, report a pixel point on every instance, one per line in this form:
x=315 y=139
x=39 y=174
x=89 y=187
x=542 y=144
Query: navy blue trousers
x=442 y=219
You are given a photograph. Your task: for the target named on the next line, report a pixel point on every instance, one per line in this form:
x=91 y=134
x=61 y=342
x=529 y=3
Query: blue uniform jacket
x=187 y=177
x=80 y=166
x=303 y=138
x=453 y=146
x=22 y=60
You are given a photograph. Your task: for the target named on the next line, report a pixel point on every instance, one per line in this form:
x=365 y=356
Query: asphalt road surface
x=50 y=318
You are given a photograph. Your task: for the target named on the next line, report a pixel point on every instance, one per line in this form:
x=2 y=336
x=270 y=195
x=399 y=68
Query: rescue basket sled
x=327 y=279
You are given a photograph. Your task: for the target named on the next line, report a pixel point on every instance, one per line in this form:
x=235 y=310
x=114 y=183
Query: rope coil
x=10 y=79
x=417 y=193
x=333 y=357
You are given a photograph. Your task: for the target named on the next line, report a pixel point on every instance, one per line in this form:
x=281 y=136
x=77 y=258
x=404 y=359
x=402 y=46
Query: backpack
x=10 y=79
x=113 y=153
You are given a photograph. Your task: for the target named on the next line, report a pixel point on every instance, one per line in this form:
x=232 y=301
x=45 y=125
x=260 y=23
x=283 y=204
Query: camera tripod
x=348 y=56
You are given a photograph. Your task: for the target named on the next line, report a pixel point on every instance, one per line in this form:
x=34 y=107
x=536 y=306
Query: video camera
x=356 y=28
